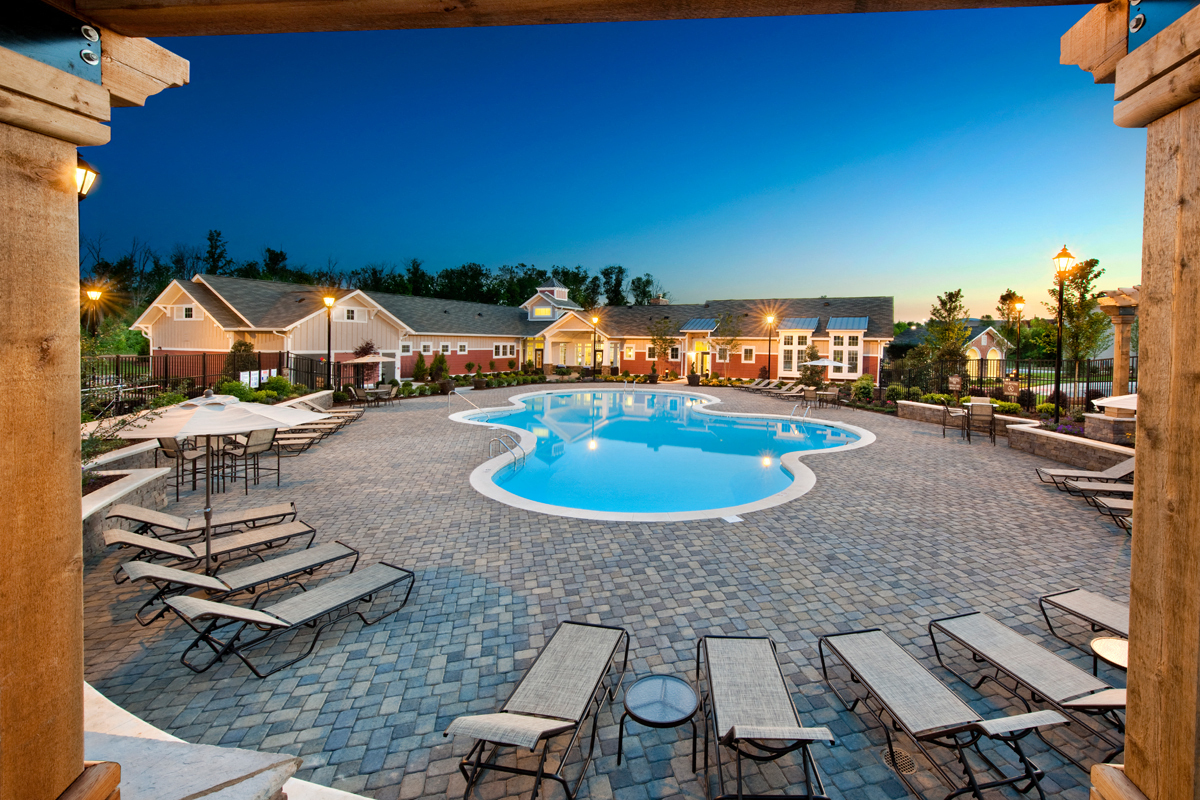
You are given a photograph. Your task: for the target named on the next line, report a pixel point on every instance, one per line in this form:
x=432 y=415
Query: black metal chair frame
x=969 y=425
x=181 y=463
x=949 y=415
x=167 y=589
x=170 y=534
x=951 y=739
x=255 y=550
x=230 y=646
x=1074 y=714
x=252 y=462
x=474 y=763
x=761 y=751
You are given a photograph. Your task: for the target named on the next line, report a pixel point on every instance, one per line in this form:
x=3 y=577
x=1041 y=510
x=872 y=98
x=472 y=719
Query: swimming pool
x=613 y=454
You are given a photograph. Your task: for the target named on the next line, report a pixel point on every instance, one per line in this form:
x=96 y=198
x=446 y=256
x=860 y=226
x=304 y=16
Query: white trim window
x=838 y=355
x=650 y=352
x=188 y=312
x=787 y=359
x=839 y=341
x=445 y=348
x=630 y=352
x=722 y=354
x=504 y=350
x=802 y=341
x=787 y=340
x=426 y=348
x=353 y=315
x=853 y=341
x=544 y=312
x=675 y=353
x=852 y=361
x=406 y=349
x=747 y=355
x=462 y=348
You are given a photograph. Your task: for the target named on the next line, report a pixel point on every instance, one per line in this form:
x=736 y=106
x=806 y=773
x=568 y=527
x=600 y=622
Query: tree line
x=1087 y=331
x=137 y=276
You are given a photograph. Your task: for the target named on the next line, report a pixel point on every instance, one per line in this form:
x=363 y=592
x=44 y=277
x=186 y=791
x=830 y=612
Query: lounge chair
x=769 y=386
x=245 y=543
x=756 y=384
x=1088 y=490
x=785 y=389
x=1099 y=612
x=337 y=413
x=1120 y=509
x=170 y=581
x=953 y=418
x=1117 y=472
x=748 y=709
x=1047 y=678
x=889 y=682
x=563 y=687
x=320 y=607
x=158 y=523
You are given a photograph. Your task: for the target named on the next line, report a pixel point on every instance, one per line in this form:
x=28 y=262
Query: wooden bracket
x=100 y=780
x=134 y=69
x=1160 y=76
x=1098 y=41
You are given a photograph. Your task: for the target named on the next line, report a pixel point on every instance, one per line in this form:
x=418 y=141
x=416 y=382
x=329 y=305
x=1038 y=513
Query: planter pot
x=654 y=377
x=693 y=380
x=478 y=383
x=614 y=371
x=446 y=387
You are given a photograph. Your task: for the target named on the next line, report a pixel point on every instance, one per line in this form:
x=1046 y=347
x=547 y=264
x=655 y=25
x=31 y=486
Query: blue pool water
x=648 y=452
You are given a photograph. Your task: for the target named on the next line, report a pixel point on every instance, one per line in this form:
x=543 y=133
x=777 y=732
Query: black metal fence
x=1081 y=381
x=125 y=382
x=311 y=372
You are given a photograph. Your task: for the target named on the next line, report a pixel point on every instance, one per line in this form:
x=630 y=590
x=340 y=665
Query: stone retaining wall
x=140 y=487
x=927 y=412
x=1074 y=450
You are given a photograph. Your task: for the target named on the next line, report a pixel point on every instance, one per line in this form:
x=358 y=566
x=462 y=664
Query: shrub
x=914 y=393
x=997 y=393
x=262 y=396
x=763 y=374
x=426 y=390
x=976 y=391
x=625 y=374
x=491 y=366
x=1026 y=398
x=340 y=397
x=1092 y=395
x=1008 y=408
x=394 y=382
x=1057 y=397
x=894 y=392
x=241 y=358
x=165 y=399
x=1045 y=408
x=420 y=369
x=529 y=367
x=562 y=371
x=277 y=384
x=863 y=389
x=470 y=366
x=512 y=364
x=937 y=399
x=236 y=388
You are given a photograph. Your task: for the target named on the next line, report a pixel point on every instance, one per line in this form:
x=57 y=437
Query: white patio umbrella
x=209 y=416
x=371 y=359
x=823 y=362
x=1125 y=401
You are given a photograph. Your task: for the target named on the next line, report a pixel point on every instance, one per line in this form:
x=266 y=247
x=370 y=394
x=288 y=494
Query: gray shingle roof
x=553 y=283
x=269 y=304
x=560 y=302
x=799 y=323
x=430 y=315
x=213 y=305
x=699 y=325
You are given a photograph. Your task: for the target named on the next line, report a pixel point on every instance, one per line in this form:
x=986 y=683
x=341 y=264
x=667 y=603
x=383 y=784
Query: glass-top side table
x=660 y=701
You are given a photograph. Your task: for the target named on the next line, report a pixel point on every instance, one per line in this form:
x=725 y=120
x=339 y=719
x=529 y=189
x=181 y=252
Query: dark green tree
x=948 y=330
x=216 y=257
x=663 y=337
x=379 y=277
x=420 y=282
x=642 y=289
x=471 y=282
x=1086 y=329
x=613 y=277
x=582 y=287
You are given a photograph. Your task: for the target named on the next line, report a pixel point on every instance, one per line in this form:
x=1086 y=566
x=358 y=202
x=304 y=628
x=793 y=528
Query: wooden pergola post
x=45 y=113
x=1158 y=86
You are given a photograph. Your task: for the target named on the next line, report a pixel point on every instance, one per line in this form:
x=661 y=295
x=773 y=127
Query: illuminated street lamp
x=329 y=301
x=595 y=320
x=1063 y=262
x=1019 y=306
x=94 y=296
x=770 y=340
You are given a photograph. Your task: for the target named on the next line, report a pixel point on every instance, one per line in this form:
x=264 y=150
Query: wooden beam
x=1109 y=783
x=39 y=81
x=1162 y=739
x=101 y=780
x=1165 y=95
x=133 y=69
x=25 y=112
x=1098 y=41
x=212 y=17
x=1178 y=43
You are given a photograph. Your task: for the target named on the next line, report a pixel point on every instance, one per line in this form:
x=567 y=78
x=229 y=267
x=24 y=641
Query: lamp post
x=770 y=341
x=329 y=301
x=1019 y=307
x=1062 y=267
x=595 y=320
x=93 y=296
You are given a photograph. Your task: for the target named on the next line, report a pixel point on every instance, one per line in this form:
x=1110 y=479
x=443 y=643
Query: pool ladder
x=802 y=416
x=507 y=443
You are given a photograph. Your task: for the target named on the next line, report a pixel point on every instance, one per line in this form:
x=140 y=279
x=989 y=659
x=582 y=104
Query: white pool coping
x=803 y=478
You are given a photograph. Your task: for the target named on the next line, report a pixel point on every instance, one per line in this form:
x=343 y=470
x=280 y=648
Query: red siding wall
x=458 y=361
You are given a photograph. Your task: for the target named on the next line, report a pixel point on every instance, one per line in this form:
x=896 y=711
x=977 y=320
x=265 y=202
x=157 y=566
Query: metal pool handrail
x=505 y=444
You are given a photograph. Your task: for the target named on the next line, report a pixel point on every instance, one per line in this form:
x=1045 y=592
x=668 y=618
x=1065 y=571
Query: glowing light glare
x=93 y=294
x=770 y=319
x=593 y=444
x=85 y=176
x=766 y=462
x=329 y=301
x=1063 y=261
x=1019 y=306
x=595 y=320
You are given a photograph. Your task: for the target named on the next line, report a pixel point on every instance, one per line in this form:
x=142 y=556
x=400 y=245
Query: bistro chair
x=248 y=450
x=183 y=457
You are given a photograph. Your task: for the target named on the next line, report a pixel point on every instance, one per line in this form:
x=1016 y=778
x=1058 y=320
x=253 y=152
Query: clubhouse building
x=209 y=313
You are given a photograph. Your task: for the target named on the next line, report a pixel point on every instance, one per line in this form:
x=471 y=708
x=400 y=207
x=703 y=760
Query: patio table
x=1111 y=650
x=827 y=397
x=660 y=701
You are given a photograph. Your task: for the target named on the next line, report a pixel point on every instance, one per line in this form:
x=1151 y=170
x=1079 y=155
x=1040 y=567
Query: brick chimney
x=661 y=300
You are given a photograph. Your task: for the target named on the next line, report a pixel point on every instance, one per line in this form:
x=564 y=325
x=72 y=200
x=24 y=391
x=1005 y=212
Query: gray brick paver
x=892 y=535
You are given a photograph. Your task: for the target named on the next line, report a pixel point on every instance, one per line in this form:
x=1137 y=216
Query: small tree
x=812 y=376
x=727 y=336
x=512 y=364
x=420 y=369
x=241 y=358
x=1007 y=309
x=662 y=339
x=470 y=366
x=438 y=369
x=948 y=330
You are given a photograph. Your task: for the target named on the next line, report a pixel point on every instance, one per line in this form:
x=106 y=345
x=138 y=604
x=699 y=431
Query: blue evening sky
x=899 y=154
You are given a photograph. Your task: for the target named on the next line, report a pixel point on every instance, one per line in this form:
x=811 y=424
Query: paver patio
x=894 y=534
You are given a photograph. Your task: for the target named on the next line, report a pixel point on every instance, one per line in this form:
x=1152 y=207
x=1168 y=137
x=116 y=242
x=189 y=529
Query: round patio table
x=1112 y=650
x=660 y=701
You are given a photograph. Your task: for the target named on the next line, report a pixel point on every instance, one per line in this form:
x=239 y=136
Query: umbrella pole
x=207 y=505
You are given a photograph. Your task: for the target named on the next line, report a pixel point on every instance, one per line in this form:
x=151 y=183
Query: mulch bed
x=96 y=482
